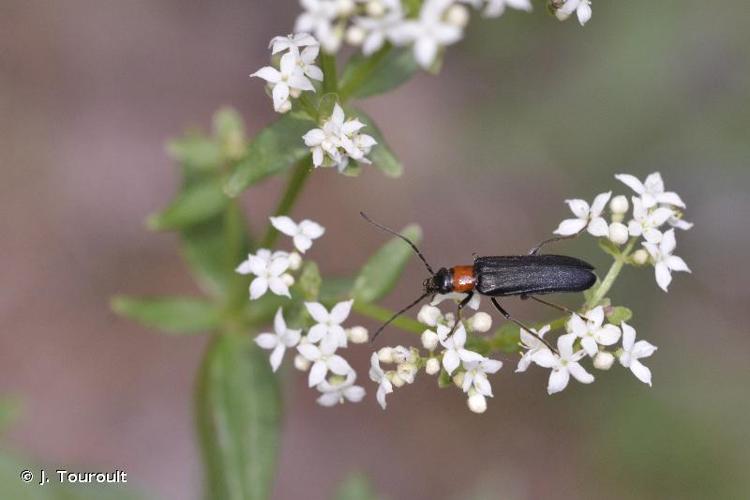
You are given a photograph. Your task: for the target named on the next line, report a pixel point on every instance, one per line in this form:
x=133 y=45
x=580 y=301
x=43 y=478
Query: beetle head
x=441 y=282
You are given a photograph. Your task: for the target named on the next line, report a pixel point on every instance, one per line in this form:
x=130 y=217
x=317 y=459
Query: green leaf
x=169 y=314
x=196 y=153
x=507 y=337
x=274 y=149
x=334 y=290
x=309 y=282
x=382 y=271
x=380 y=72
x=381 y=155
x=238 y=413
x=230 y=133
x=618 y=314
x=356 y=487
x=198 y=202
x=327 y=103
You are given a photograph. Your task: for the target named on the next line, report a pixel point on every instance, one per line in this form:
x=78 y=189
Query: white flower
x=455 y=353
x=477 y=402
x=328 y=324
x=429 y=315
x=651 y=190
x=480 y=322
x=336 y=134
x=378 y=376
x=289 y=77
x=592 y=333
x=270 y=271
x=378 y=29
x=291 y=42
x=496 y=8
x=604 y=360
x=318 y=18
x=664 y=261
x=474 y=303
x=338 y=389
x=677 y=221
x=647 y=222
x=619 y=205
x=588 y=217
x=563 y=365
x=357 y=334
x=278 y=341
x=582 y=8
x=618 y=233
x=429 y=340
x=432 y=366
x=632 y=351
x=476 y=375
x=323 y=358
x=429 y=32
x=305 y=61
x=532 y=345
x=303 y=233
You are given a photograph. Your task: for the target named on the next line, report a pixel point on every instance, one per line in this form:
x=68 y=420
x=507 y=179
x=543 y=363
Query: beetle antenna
x=407 y=240
x=402 y=311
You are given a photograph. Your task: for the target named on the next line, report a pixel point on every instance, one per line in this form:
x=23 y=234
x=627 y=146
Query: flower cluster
x=428 y=29
x=317 y=348
x=337 y=140
x=295 y=70
x=587 y=336
x=445 y=354
x=653 y=208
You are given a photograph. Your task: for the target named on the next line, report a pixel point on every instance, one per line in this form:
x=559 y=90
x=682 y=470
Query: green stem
x=294 y=186
x=360 y=76
x=330 y=79
x=611 y=276
x=382 y=314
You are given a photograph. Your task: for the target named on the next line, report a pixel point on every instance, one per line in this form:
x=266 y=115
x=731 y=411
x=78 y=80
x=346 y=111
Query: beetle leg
x=509 y=318
x=459 y=310
x=536 y=249
x=553 y=305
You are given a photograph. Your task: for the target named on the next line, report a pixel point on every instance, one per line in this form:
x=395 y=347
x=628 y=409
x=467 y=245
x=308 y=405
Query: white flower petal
x=341 y=311
x=570 y=226
x=267 y=340
x=663 y=275
x=309 y=351
x=354 y=393
x=654 y=183
x=269 y=74
x=558 y=380
x=670 y=198
x=317 y=311
x=580 y=208
x=628 y=336
x=317 y=332
x=545 y=358
x=311 y=229
x=597 y=206
x=258 y=288
x=641 y=371
x=580 y=373
x=632 y=182
x=451 y=361
x=589 y=345
x=279 y=287
x=276 y=356
x=302 y=242
x=317 y=373
x=283 y=223
x=598 y=227
x=280 y=94
x=643 y=349
x=676 y=263
x=338 y=365
x=607 y=335
x=329 y=399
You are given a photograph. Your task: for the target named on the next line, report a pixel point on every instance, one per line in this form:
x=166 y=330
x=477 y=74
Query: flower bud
x=457 y=15
x=604 y=360
x=295 y=261
x=357 y=334
x=477 y=402
x=481 y=322
x=618 y=233
x=407 y=371
x=432 y=366
x=385 y=355
x=640 y=257
x=344 y=8
x=375 y=8
x=288 y=279
x=429 y=315
x=395 y=379
x=458 y=379
x=619 y=205
x=294 y=93
x=301 y=363
x=429 y=340
x=285 y=107
x=355 y=35
x=400 y=354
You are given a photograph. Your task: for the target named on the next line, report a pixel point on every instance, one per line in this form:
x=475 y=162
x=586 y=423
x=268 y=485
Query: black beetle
x=503 y=276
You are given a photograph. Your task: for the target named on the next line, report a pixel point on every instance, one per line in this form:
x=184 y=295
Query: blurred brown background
x=526 y=112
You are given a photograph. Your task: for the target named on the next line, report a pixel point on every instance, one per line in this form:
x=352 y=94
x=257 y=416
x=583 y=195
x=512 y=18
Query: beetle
x=525 y=276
